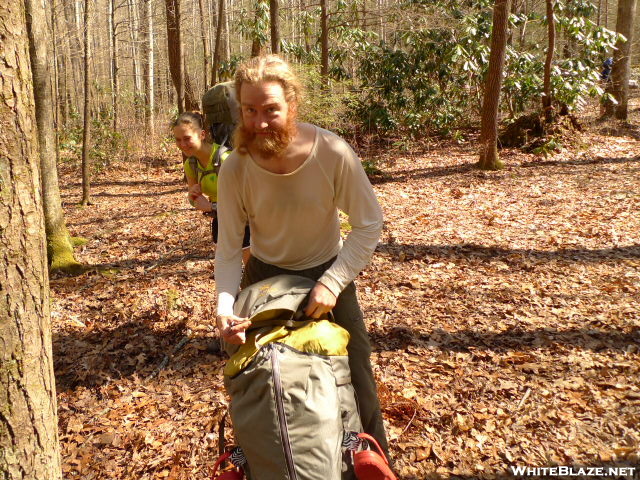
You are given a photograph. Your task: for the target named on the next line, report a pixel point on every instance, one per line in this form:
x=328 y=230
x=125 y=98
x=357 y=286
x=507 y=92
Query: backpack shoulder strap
x=195 y=167
x=217 y=158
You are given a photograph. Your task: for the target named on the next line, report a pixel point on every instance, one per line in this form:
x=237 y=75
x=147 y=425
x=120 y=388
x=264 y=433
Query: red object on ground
x=236 y=474
x=371 y=465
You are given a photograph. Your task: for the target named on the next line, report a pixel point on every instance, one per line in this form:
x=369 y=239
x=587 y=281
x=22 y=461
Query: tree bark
x=275 y=26
x=28 y=419
x=205 y=45
x=174 y=49
x=547 y=95
x=324 y=43
x=113 y=50
x=489 y=159
x=148 y=67
x=59 y=243
x=134 y=28
x=86 y=131
x=218 y=48
x=621 y=69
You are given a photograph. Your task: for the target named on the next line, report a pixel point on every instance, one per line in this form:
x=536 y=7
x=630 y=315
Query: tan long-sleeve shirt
x=294 y=217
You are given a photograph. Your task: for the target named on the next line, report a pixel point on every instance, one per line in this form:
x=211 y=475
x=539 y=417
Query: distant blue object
x=606 y=70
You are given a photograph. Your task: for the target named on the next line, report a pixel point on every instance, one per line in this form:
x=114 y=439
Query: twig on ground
x=524 y=398
x=166 y=358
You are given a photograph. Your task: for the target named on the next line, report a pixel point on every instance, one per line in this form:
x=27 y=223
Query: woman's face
x=188 y=139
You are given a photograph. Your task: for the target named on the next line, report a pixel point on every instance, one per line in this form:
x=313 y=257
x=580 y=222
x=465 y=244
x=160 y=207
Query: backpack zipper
x=282 y=421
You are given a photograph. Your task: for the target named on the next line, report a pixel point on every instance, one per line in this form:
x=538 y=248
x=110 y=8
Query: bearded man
x=287 y=180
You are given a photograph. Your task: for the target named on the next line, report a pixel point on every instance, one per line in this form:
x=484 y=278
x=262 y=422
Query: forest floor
x=503 y=308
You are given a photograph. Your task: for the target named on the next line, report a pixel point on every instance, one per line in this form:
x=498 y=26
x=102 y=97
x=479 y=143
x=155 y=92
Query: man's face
x=268 y=122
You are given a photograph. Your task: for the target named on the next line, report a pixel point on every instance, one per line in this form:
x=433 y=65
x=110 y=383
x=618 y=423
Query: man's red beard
x=273 y=144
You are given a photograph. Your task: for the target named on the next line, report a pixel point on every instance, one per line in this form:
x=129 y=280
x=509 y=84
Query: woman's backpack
x=292 y=402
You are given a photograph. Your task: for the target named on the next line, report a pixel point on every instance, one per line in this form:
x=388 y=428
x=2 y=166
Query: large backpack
x=221 y=114
x=293 y=407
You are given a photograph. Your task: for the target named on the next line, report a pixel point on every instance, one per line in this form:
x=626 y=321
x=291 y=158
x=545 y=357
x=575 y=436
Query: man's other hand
x=321 y=301
x=232 y=329
x=201 y=203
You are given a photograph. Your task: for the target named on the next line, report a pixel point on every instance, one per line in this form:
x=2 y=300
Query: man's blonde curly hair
x=270 y=68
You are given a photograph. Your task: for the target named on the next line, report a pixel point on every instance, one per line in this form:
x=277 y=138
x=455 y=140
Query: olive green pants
x=348 y=315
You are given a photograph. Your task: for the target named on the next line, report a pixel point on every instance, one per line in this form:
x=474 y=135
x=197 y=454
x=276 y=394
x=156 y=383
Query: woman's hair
x=270 y=68
x=190 y=118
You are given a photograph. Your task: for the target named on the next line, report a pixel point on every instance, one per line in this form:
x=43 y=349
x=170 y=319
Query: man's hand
x=321 y=301
x=232 y=328
x=201 y=203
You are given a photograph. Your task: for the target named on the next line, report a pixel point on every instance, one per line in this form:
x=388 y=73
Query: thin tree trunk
x=227 y=34
x=324 y=43
x=59 y=243
x=134 y=27
x=115 y=82
x=489 y=130
x=76 y=48
x=205 y=46
x=218 y=48
x=28 y=418
x=86 y=133
x=547 y=95
x=149 y=84
x=174 y=48
x=56 y=73
x=275 y=26
x=621 y=69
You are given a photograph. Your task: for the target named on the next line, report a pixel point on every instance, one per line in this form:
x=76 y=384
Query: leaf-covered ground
x=503 y=307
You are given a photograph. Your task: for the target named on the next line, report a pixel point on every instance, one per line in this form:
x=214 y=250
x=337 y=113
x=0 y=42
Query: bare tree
x=86 y=132
x=324 y=42
x=205 y=44
x=218 y=47
x=148 y=66
x=547 y=94
x=174 y=49
x=275 y=26
x=59 y=242
x=28 y=419
x=134 y=31
x=113 y=51
x=489 y=130
x=621 y=68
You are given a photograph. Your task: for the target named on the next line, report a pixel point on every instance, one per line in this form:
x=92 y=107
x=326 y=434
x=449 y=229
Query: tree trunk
x=75 y=53
x=275 y=26
x=148 y=67
x=113 y=50
x=86 y=132
x=59 y=243
x=28 y=419
x=205 y=44
x=191 y=102
x=256 y=43
x=174 y=49
x=134 y=28
x=324 y=43
x=227 y=33
x=621 y=69
x=547 y=94
x=218 y=48
x=489 y=130
x=56 y=74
